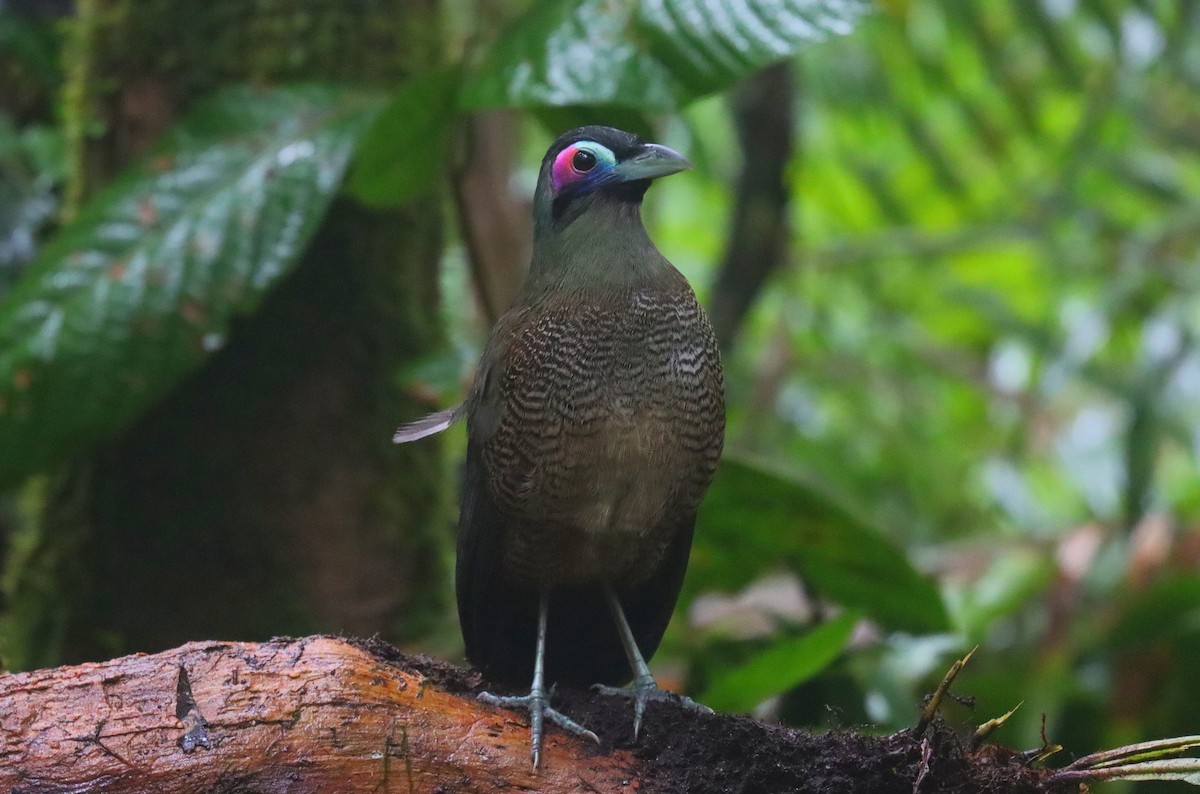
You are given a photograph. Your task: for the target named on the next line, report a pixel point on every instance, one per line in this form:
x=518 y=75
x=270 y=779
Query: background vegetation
x=951 y=249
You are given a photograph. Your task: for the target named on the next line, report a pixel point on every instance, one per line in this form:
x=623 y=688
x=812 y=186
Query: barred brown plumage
x=611 y=425
x=594 y=429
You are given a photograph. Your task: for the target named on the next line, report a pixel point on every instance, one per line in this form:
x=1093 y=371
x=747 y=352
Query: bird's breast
x=611 y=423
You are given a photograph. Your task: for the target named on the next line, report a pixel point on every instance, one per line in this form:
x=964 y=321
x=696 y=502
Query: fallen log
x=328 y=714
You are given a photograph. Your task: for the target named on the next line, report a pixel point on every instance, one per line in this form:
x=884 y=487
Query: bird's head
x=597 y=164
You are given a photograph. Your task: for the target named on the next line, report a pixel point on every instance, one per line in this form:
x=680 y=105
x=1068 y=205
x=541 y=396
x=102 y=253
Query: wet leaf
x=754 y=518
x=137 y=292
x=711 y=44
x=408 y=146
x=653 y=55
x=786 y=664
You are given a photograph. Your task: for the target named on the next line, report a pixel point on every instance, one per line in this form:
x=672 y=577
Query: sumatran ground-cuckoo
x=593 y=430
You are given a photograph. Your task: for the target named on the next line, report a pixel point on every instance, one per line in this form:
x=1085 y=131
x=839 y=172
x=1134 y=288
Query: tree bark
x=763 y=110
x=325 y=714
x=496 y=225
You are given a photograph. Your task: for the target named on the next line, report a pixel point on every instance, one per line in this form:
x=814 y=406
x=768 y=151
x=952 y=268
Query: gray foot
x=537 y=703
x=643 y=690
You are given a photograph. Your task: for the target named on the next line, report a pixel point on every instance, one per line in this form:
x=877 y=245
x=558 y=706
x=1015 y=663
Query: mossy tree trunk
x=263 y=496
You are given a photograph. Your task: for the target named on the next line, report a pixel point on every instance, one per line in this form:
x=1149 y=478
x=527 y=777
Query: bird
x=594 y=428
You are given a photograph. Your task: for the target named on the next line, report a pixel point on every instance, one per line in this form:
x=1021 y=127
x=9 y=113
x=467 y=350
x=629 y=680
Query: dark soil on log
x=442 y=674
x=689 y=753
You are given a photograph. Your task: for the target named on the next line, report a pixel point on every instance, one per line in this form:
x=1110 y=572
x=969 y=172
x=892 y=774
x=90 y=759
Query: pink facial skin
x=563 y=173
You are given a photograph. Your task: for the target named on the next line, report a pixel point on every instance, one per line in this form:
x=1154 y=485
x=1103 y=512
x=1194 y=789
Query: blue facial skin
x=582 y=167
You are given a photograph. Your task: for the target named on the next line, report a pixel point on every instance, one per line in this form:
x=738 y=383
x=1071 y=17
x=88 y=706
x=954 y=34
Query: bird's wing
x=428 y=425
x=498 y=618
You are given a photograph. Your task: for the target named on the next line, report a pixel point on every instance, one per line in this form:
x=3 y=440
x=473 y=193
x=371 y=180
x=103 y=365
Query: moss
x=366 y=42
x=78 y=110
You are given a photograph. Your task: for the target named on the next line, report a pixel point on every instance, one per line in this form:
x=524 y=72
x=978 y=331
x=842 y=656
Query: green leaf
x=1144 y=761
x=1011 y=581
x=754 y=518
x=711 y=45
x=407 y=148
x=571 y=52
x=785 y=665
x=1184 y=770
x=653 y=55
x=1153 y=750
x=142 y=288
x=1166 y=611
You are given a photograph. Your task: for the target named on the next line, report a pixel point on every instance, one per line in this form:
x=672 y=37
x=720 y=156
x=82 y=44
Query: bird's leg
x=537 y=702
x=644 y=688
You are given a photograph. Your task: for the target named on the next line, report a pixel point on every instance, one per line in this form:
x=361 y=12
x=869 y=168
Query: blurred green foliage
x=966 y=411
x=985 y=341
x=30 y=170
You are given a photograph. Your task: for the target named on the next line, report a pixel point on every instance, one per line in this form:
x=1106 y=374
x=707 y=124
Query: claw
x=537 y=702
x=643 y=690
x=539 y=708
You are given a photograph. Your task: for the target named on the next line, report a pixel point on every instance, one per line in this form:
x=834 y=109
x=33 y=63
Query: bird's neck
x=601 y=247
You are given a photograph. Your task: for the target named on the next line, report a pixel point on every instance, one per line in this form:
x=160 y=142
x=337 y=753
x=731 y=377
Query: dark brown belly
x=604 y=513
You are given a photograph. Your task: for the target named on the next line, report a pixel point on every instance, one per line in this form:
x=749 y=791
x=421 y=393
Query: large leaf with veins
x=654 y=54
x=142 y=287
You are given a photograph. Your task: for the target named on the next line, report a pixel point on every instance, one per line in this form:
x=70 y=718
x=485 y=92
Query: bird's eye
x=581 y=165
x=583 y=161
